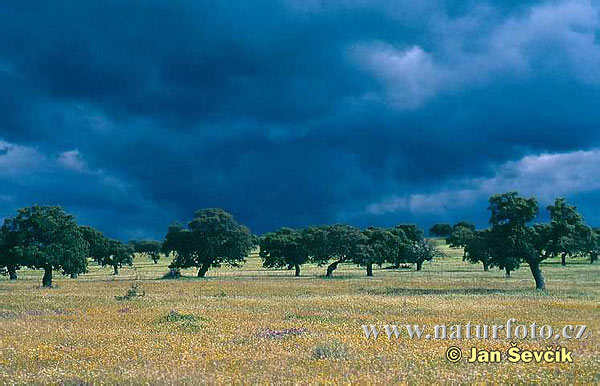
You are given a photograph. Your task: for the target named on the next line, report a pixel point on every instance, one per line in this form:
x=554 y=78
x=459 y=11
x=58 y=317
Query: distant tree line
x=332 y=245
x=511 y=239
x=45 y=237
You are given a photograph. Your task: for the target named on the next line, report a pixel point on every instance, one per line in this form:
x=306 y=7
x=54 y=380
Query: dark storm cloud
x=134 y=114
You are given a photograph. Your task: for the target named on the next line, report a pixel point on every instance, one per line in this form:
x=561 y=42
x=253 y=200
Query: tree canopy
x=567 y=234
x=284 y=248
x=460 y=237
x=510 y=238
x=381 y=246
x=211 y=239
x=440 y=230
x=477 y=248
x=464 y=224
x=9 y=258
x=150 y=248
x=46 y=237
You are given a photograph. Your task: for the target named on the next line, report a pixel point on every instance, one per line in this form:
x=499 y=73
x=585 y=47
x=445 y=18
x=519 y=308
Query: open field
x=224 y=328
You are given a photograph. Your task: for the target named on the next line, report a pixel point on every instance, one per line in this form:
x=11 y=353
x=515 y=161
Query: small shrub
x=133 y=292
x=175 y=316
x=331 y=350
x=186 y=321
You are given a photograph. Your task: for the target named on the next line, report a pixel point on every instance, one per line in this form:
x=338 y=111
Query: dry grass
x=233 y=326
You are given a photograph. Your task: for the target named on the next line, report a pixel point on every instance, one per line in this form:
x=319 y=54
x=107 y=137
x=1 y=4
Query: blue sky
x=132 y=115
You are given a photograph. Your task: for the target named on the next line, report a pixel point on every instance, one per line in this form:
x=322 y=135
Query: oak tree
x=211 y=239
x=50 y=239
x=284 y=248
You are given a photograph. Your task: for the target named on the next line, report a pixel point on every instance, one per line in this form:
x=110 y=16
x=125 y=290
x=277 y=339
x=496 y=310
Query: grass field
x=255 y=325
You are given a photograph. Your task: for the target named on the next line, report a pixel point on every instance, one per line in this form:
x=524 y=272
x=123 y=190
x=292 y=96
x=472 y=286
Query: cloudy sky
x=133 y=114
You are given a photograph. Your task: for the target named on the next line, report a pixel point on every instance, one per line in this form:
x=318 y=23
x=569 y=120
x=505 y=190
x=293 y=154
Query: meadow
x=255 y=325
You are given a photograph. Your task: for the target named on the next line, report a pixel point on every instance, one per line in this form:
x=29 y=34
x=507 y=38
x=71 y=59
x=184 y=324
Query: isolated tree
x=150 y=248
x=284 y=248
x=117 y=255
x=440 y=230
x=460 y=237
x=211 y=239
x=50 y=239
x=380 y=246
x=511 y=240
x=568 y=234
x=464 y=224
x=477 y=248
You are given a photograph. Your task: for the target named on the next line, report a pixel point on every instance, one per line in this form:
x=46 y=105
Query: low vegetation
x=109 y=319
x=254 y=325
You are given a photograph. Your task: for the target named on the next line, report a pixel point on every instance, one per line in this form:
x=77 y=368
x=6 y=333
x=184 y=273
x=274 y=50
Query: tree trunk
x=116 y=269
x=507 y=273
x=419 y=265
x=486 y=267
x=537 y=275
x=563 y=259
x=47 y=279
x=332 y=268
x=297 y=270
x=12 y=273
x=74 y=275
x=369 y=269
x=203 y=269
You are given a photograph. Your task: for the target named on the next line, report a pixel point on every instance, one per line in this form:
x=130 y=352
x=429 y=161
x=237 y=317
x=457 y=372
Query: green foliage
x=331 y=350
x=97 y=243
x=464 y=224
x=510 y=238
x=381 y=246
x=420 y=251
x=477 y=248
x=105 y=251
x=511 y=210
x=440 y=230
x=339 y=242
x=566 y=235
x=284 y=248
x=315 y=241
x=212 y=238
x=118 y=254
x=9 y=258
x=133 y=292
x=47 y=237
x=184 y=321
x=593 y=245
x=459 y=237
x=150 y=248
x=409 y=231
